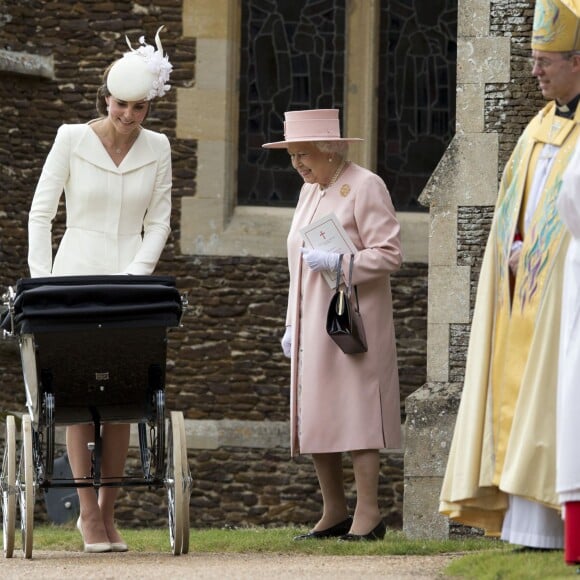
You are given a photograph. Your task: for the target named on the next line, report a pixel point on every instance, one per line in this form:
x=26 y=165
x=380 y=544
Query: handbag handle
x=338 y=271
x=349 y=286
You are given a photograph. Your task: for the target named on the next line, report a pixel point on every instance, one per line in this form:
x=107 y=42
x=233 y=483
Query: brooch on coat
x=345 y=190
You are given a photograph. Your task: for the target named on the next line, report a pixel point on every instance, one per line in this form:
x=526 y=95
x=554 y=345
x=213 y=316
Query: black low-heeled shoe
x=534 y=549
x=377 y=533
x=332 y=532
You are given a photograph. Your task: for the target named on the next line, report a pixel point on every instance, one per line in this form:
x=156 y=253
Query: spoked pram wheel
x=8 y=487
x=152 y=444
x=25 y=485
x=178 y=483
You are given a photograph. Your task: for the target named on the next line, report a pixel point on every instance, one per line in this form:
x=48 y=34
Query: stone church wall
x=497 y=97
x=225 y=364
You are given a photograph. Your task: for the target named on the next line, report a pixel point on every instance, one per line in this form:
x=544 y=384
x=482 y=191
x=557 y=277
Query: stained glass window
x=418 y=54
x=292 y=58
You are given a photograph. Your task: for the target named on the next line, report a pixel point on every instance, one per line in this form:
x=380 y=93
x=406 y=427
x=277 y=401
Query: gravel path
x=46 y=565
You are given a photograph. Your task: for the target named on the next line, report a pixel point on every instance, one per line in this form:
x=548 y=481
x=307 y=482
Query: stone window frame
x=211 y=222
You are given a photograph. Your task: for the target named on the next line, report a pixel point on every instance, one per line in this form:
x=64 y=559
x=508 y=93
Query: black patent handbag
x=344 y=323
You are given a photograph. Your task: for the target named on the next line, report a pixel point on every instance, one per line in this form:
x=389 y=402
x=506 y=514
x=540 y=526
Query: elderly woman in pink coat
x=116 y=177
x=340 y=402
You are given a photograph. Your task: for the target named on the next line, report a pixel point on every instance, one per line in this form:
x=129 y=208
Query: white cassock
x=526 y=522
x=568 y=409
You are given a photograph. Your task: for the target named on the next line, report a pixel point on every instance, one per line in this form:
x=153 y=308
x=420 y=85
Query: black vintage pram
x=93 y=350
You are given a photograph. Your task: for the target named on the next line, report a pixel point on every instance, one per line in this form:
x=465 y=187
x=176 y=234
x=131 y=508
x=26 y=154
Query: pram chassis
x=93 y=350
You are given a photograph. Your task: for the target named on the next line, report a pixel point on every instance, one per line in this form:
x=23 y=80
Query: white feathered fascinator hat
x=141 y=74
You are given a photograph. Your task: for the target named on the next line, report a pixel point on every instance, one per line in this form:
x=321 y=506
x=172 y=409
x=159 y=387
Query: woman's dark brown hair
x=103 y=92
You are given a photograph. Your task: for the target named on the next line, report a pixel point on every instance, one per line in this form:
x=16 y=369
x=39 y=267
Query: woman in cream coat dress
x=339 y=402
x=116 y=177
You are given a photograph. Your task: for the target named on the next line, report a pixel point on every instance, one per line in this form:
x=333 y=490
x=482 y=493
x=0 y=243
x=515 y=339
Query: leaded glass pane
x=418 y=54
x=292 y=58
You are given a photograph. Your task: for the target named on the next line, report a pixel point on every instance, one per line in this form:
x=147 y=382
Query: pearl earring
x=330 y=160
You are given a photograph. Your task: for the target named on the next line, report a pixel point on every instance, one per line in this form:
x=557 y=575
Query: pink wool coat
x=345 y=402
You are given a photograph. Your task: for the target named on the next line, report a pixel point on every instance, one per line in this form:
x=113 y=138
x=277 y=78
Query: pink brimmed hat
x=311 y=125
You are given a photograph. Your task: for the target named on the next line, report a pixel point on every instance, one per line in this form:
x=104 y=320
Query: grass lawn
x=481 y=558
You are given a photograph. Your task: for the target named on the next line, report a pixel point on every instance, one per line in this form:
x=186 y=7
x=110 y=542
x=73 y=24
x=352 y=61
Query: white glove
x=318 y=260
x=287 y=342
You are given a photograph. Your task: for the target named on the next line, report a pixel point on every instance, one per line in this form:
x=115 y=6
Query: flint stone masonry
x=242 y=476
x=473 y=225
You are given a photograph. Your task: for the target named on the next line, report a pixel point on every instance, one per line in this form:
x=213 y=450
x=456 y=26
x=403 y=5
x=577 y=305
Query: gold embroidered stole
x=517 y=313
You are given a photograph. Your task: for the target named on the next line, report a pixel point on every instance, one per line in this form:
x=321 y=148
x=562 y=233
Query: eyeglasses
x=544 y=63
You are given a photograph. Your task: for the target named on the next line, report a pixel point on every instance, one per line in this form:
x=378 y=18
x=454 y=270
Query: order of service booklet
x=328 y=234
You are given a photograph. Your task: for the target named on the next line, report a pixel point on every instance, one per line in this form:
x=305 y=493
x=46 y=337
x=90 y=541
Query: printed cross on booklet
x=328 y=234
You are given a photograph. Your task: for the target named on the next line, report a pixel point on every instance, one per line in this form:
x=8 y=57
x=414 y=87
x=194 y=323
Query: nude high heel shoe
x=96 y=548
x=119 y=547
